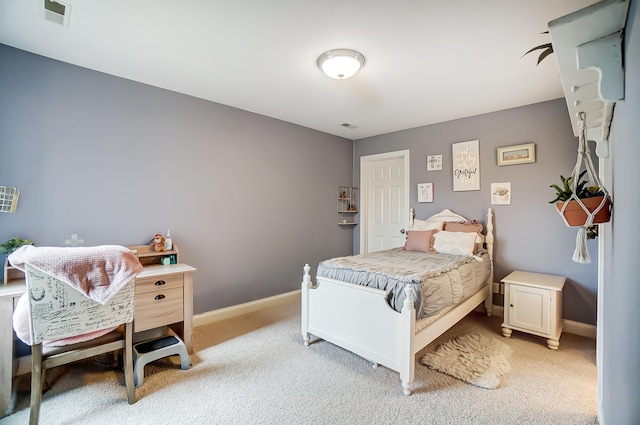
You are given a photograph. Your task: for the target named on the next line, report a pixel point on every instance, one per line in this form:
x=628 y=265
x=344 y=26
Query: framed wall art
x=501 y=193
x=517 y=154
x=425 y=192
x=466 y=166
x=434 y=162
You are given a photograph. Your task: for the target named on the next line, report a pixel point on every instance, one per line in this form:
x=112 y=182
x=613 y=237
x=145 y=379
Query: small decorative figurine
x=157 y=242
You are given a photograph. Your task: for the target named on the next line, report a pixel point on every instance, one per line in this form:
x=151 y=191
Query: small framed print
x=517 y=154
x=425 y=192
x=434 y=162
x=500 y=193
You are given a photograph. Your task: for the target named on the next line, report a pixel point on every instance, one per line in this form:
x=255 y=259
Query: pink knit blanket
x=98 y=272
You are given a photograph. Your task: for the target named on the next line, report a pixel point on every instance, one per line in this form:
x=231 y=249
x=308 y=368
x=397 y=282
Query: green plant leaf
x=545 y=46
x=544 y=55
x=566 y=182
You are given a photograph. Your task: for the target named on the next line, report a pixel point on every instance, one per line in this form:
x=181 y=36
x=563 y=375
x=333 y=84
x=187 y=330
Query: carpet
x=476 y=359
x=255 y=370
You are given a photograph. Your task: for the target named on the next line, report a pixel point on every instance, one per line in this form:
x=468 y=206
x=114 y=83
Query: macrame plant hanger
x=581 y=254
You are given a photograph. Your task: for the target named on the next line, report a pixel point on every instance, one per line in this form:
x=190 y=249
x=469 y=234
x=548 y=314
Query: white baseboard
x=240 y=309
x=497 y=310
x=579 y=328
x=570 y=326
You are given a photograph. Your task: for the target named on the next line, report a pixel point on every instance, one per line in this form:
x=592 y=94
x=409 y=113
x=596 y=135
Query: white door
x=385 y=196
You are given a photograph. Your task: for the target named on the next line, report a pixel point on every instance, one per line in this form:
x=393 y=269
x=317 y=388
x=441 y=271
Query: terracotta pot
x=576 y=216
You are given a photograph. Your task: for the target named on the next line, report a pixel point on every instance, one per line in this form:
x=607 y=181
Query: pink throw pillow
x=421 y=241
x=452 y=226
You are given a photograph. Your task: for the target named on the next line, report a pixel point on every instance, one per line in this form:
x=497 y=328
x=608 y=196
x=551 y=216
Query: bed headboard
x=444 y=215
x=448 y=215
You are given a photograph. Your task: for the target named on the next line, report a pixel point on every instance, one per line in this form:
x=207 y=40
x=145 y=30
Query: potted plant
x=590 y=196
x=12 y=244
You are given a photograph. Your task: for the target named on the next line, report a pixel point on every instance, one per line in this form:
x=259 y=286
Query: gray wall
x=248 y=199
x=620 y=293
x=530 y=235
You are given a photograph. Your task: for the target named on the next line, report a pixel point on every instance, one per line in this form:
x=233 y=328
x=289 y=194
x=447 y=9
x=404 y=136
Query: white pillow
x=422 y=225
x=455 y=243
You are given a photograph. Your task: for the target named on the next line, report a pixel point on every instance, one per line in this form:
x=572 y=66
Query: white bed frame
x=359 y=318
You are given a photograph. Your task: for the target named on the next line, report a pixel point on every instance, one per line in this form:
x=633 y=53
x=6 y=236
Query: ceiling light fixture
x=340 y=64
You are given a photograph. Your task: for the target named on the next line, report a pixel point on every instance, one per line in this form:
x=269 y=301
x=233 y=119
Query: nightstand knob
x=159 y=297
x=160 y=283
x=510 y=305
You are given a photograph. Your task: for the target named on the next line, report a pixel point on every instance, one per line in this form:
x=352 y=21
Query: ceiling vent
x=57 y=12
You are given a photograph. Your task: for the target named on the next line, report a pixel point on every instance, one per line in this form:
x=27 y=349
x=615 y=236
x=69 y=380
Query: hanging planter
x=576 y=215
x=582 y=201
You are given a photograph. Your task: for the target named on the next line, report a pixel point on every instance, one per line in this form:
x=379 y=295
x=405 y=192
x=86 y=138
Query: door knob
x=402 y=231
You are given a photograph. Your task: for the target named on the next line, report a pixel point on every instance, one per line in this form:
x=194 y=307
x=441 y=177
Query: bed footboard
x=359 y=319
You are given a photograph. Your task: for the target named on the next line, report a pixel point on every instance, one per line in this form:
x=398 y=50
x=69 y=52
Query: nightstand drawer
x=159 y=283
x=158 y=308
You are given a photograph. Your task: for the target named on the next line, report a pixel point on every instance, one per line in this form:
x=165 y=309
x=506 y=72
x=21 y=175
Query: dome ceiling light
x=340 y=64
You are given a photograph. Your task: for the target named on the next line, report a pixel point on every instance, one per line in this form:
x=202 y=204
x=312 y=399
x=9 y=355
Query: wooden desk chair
x=56 y=311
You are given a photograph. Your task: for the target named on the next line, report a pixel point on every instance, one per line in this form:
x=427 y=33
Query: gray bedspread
x=439 y=280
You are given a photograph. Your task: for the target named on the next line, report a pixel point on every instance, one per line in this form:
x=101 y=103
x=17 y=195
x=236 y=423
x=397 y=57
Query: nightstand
x=533 y=304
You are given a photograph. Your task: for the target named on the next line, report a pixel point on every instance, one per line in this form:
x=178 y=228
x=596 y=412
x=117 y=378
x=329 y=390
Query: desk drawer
x=159 y=283
x=158 y=308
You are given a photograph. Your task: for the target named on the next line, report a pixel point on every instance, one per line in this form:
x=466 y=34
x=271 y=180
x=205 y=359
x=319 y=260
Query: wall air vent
x=57 y=12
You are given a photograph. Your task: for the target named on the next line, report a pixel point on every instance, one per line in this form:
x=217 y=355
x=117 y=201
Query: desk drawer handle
x=160 y=283
x=159 y=297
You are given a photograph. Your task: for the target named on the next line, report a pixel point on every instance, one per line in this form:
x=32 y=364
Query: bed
x=362 y=318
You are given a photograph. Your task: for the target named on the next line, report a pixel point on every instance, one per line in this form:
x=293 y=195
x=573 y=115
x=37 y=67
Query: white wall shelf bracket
x=588 y=47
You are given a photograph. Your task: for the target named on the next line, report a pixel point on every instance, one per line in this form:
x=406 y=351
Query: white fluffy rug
x=477 y=359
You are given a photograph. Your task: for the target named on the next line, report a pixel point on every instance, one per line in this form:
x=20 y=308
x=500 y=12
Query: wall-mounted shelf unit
x=588 y=48
x=347 y=205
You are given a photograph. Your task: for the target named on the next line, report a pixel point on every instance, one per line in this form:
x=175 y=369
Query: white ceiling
x=427 y=61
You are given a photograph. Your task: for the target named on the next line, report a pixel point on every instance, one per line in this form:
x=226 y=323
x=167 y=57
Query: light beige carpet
x=255 y=370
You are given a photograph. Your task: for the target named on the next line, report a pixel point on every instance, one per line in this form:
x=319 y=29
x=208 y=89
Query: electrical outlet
x=496 y=287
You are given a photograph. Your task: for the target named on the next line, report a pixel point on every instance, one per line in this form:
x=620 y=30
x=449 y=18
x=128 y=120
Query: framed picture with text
x=434 y=162
x=466 y=166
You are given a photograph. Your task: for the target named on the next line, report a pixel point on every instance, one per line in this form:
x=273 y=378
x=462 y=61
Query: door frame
x=366 y=163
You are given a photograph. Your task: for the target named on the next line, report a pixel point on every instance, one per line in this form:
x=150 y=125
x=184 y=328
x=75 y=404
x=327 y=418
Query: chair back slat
x=57 y=310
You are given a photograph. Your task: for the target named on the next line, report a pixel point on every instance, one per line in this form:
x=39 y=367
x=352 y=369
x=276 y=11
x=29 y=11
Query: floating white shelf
x=588 y=48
